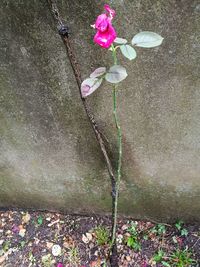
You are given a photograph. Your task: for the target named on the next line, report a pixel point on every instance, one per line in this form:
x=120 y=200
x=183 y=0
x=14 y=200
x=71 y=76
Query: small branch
x=195 y=243
x=74 y=64
x=119 y=136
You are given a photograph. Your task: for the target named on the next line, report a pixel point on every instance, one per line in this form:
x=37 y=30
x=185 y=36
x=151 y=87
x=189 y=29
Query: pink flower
x=59 y=265
x=106 y=33
x=111 y=11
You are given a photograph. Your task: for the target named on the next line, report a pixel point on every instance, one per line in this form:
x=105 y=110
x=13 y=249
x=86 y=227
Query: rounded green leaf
x=89 y=85
x=116 y=74
x=120 y=40
x=98 y=72
x=128 y=51
x=147 y=39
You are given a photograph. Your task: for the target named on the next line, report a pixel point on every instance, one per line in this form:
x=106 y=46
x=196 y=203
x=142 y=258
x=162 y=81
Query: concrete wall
x=49 y=158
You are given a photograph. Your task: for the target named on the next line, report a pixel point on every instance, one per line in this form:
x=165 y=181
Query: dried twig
x=63 y=30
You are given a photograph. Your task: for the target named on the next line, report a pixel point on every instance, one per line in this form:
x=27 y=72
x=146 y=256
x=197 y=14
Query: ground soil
x=28 y=238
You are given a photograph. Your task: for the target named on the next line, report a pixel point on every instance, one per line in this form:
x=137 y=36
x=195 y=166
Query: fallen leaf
x=26 y=218
x=2 y=259
x=86 y=238
x=49 y=245
x=89 y=236
x=22 y=231
x=1 y=252
x=15 y=229
x=96 y=263
x=68 y=242
x=124 y=227
x=8 y=232
x=36 y=240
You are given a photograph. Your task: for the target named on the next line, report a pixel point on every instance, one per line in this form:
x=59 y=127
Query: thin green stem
x=119 y=164
x=114 y=54
x=119 y=136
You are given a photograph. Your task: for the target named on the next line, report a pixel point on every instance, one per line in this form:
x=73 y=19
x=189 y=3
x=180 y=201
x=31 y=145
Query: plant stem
x=114 y=54
x=119 y=164
x=119 y=135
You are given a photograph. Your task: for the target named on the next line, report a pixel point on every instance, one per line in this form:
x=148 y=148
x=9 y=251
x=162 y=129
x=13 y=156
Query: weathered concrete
x=49 y=158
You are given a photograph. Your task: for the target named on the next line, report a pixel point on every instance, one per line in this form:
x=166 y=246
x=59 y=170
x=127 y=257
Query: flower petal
x=105 y=39
x=110 y=11
x=102 y=23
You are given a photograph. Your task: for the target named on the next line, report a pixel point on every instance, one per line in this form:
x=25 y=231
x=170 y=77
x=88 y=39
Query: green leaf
x=164 y=263
x=120 y=40
x=147 y=39
x=179 y=225
x=128 y=51
x=130 y=242
x=161 y=229
x=158 y=256
x=22 y=243
x=184 y=232
x=137 y=246
x=40 y=220
x=98 y=72
x=89 y=85
x=6 y=246
x=116 y=74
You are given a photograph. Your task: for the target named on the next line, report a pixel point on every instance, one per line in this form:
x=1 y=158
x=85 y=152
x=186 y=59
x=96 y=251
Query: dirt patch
x=52 y=239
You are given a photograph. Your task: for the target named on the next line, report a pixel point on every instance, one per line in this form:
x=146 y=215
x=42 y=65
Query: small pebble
x=128 y=258
x=56 y=250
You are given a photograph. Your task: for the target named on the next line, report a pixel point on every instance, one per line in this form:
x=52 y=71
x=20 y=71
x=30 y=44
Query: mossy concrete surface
x=49 y=158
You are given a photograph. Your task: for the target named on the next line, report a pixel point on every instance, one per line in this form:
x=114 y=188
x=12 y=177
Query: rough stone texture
x=49 y=158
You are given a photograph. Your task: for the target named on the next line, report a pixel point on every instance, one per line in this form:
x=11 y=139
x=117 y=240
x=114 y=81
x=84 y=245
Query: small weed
x=159 y=229
x=22 y=244
x=165 y=263
x=180 y=227
x=31 y=258
x=181 y=258
x=133 y=229
x=104 y=264
x=133 y=243
x=73 y=256
x=145 y=237
x=102 y=235
x=40 y=220
x=133 y=240
x=6 y=246
x=159 y=257
x=184 y=232
x=47 y=260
